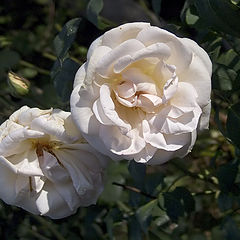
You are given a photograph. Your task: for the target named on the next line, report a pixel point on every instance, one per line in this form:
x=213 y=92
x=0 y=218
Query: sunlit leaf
x=93 y=9
x=63 y=41
x=156 y=5
x=144 y=214
x=63 y=78
x=220 y=15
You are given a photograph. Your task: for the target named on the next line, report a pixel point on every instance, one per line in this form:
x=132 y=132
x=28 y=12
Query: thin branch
x=30 y=65
x=133 y=189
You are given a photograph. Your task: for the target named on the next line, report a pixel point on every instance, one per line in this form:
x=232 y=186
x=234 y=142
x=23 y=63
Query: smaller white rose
x=46 y=167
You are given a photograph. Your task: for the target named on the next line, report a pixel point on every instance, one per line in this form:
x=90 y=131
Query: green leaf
x=144 y=214
x=138 y=173
x=226 y=175
x=221 y=15
x=177 y=202
x=63 y=77
x=63 y=41
x=8 y=59
x=114 y=215
x=224 y=78
x=230 y=59
x=152 y=181
x=156 y=5
x=225 y=201
x=233 y=123
x=94 y=7
x=231 y=229
x=134 y=229
x=115 y=172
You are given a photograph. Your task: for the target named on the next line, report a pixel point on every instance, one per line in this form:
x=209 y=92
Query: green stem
x=30 y=65
x=49 y=56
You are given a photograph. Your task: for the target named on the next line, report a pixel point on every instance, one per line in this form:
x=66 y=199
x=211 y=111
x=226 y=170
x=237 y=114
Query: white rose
x=46 y=167
x=142 y=94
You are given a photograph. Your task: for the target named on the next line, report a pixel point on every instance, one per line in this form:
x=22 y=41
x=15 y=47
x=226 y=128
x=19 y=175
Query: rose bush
x=46 y=167
x=142 y=94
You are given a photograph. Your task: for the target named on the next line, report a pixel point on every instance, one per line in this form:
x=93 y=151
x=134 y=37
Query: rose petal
x=157 y=50
x=116 y=36
x=126 y=89
x=121 y=144
x=109 y=108
x=105 y=64
x=181 y=56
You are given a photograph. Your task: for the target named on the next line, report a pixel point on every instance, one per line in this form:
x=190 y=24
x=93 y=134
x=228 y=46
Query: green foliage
x=64 y=69
x=177 y=202
x=63 y=41
x=94 y=7
x=220 y=15
x=63 y=74
x=233 y=120
x=144 y=214
x=156 y=5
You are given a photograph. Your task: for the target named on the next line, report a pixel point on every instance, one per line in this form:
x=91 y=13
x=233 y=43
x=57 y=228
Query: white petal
x=129 y=102
x=146 y=154
x=95 y=44
x=105 y=64
x=143 y=82
x=126 y=89
x=186 y=96
x=53 y=126
x=91 y=66
x=200 y=52
x=14 y=141
x=204 y=119
x=120 y=144
x=162 y=141
x=109 y=108
x=25 y=163
x=99 y=113
x=26 y=117
x=161 y=156
x=50 y=203
x=157 y=50
x=170 y=88
x=81 y=108
x=117 y=35
x=7 y=183
x=200 y=78
x=181 y=56
x=148 y=102
x=78 y=172
x=52 y=168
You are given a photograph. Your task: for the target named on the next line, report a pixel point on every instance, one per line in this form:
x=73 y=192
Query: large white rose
x=46 y=167
x=142 y=94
